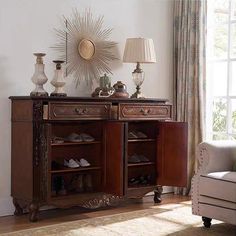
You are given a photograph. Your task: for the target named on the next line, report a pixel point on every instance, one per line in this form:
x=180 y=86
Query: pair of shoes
x=73 y=137
x=81 y=183
x=71 y=163
x=58 y=140
x=137 y=159
x=76 y=163
x=83 y=163
x=136 y=134
x=140 y=180
x=58 y=186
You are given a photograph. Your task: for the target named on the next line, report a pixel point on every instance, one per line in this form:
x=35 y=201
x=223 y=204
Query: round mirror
x=86 y=49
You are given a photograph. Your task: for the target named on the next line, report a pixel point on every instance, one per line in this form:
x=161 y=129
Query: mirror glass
x=86 y=49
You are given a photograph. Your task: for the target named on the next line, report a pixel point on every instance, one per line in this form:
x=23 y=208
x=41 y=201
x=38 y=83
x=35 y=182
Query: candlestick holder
x=58 y=80
x=39 y=78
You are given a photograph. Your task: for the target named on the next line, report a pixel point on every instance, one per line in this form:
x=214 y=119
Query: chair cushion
x=219 y=185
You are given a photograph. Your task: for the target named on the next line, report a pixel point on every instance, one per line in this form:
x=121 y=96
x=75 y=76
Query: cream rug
x=170 y=219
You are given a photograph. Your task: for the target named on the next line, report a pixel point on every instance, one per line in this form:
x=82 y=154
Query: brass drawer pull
x=81 y=111
x=145 y=112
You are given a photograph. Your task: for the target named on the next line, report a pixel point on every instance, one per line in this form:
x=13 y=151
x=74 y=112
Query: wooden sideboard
x=111 y=177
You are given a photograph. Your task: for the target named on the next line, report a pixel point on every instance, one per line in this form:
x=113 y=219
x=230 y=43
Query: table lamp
x=139 y=50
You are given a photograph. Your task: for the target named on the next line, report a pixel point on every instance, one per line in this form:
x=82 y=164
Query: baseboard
x=167 y=189
x=6 y=206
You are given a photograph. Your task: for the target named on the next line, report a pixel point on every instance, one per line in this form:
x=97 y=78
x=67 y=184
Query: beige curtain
x=189 y=73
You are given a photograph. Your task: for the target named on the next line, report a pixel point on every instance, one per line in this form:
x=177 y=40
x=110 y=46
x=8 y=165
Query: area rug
x=169 y=219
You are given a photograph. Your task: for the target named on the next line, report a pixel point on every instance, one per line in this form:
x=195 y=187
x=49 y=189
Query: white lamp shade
x=139 y=50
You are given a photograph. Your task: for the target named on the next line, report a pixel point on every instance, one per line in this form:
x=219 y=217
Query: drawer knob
x=81 y=111
x=145 y=112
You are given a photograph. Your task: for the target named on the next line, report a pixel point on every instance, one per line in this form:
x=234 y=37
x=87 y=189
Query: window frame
x=211 y=61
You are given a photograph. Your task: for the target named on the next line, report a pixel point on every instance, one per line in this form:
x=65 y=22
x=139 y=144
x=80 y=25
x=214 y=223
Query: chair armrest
x=216 y=156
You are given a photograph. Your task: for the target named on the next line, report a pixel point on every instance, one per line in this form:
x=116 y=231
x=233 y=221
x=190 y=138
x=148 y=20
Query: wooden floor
x=55 y=216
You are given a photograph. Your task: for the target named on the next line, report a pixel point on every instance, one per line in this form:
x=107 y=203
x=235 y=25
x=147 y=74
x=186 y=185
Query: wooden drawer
x=143 y=111
x=79 y=111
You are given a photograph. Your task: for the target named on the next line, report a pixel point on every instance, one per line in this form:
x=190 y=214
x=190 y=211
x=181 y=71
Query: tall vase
x=39 y=78
x=58 y=80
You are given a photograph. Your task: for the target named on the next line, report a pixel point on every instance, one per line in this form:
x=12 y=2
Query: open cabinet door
x=114 y=158
x=172 y=154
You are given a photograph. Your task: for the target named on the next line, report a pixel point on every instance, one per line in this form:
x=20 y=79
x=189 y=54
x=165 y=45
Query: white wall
x=26 y=26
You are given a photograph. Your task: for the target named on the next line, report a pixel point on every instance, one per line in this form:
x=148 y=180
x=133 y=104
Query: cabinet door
x=172 y=153
x=114 y=158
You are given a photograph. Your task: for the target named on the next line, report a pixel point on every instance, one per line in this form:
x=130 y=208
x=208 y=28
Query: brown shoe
x=76 y=184
x=79 y=184
x=88 y=183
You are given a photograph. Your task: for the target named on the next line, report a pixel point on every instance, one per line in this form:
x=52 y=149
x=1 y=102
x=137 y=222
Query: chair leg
x=206 y=221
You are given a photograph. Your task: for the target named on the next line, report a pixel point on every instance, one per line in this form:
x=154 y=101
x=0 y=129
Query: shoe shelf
x=141 y=140
x=75 y=143
x=70 y=170
x=141 y=164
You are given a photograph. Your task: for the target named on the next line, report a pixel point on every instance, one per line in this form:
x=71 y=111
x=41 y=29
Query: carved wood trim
x=79 y=111
x=37 y=117
x=103 y=201
x=44 y=163
x=144 y=111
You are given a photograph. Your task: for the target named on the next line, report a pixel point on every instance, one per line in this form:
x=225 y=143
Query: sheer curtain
x=189 y=74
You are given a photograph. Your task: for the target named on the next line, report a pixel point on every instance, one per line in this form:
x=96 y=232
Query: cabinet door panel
x=172 y=154
x=114 y=161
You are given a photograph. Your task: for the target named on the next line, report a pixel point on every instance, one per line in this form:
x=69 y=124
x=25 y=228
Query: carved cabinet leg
x=206 y=221
x=157 y=194
x=33 y=211
x=18 y=208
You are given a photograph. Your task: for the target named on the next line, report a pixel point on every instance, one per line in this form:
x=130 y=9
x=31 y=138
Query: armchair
x=214 y=184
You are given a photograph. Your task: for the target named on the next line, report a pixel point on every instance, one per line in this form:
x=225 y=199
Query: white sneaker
x=82 y=162
x=71 y=163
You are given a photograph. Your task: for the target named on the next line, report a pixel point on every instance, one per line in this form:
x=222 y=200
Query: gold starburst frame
x=84 y=45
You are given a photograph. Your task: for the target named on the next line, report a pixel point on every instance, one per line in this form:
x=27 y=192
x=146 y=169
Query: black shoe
x=142 y=158
x=54 y=186
x=61 y=190
x=143 y=180
x=55 y=165
x=134 y=181
x=134 y=159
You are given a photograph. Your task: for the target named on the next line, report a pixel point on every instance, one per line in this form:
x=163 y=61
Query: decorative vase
x=120 y=90
x=104 y=89
x=58 y=80
x=39 y=78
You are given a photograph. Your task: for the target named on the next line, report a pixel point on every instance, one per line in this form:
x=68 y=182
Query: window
x=221 y=70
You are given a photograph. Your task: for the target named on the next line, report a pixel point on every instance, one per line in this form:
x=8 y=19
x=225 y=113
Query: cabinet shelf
x=142 y=140
x=73 y=198
x=79 y=169
x=141 y=164
x=74 y=143
x=71 y=194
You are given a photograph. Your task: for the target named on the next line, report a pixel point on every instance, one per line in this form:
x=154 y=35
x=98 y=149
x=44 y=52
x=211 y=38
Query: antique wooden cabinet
x=38 y=161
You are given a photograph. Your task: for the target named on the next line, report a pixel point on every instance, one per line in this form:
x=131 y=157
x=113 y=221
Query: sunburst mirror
x=84 y=45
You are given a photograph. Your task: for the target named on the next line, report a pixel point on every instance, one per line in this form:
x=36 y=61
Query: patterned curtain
x=189 y=74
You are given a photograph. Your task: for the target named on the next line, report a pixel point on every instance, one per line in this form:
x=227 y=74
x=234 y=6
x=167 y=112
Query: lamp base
x=138 y=93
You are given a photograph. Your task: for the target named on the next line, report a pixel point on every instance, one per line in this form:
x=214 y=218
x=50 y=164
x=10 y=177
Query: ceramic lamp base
x=138 y=93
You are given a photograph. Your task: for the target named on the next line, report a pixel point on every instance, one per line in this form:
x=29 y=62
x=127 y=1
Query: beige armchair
x=214 y=184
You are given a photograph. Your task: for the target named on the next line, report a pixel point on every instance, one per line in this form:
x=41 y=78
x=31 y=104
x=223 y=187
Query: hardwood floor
x=55 y=216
